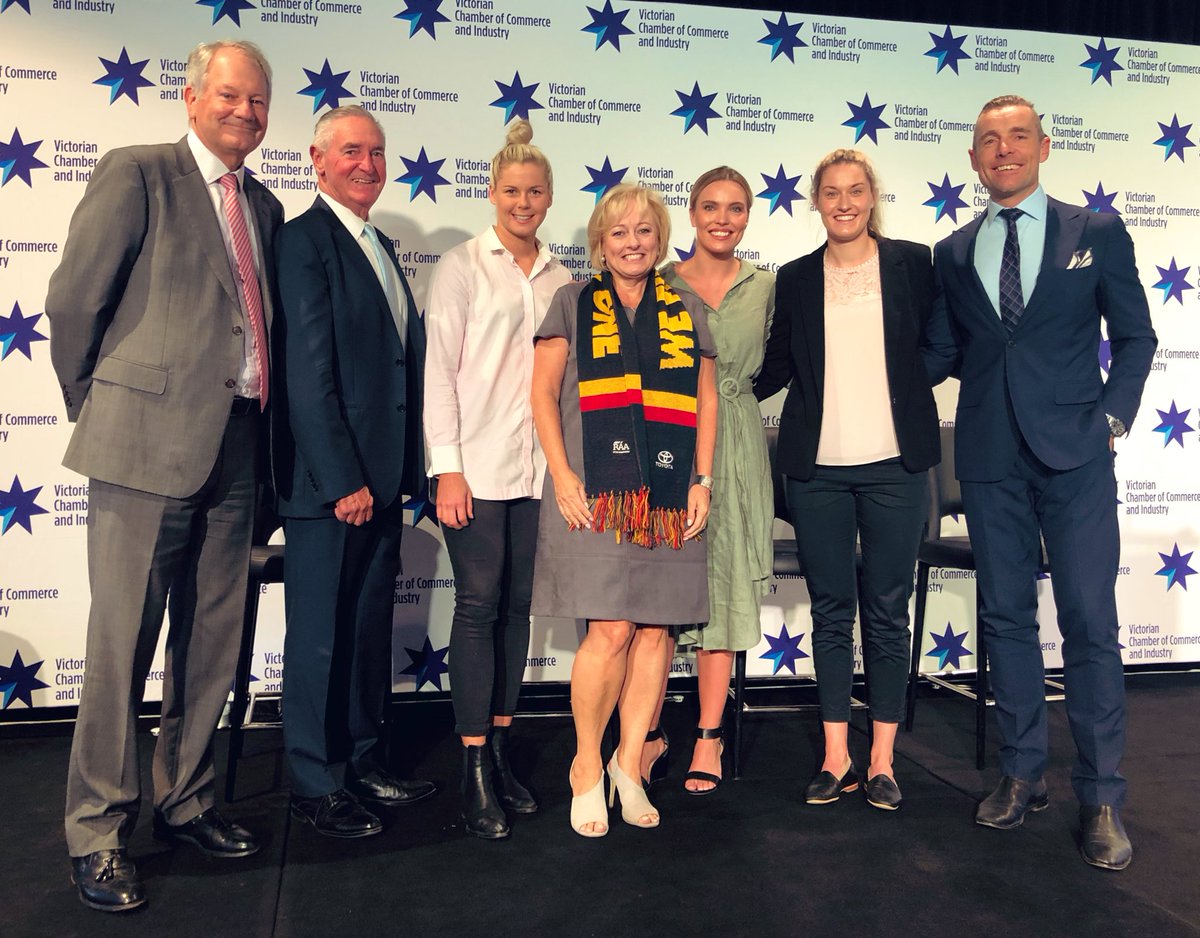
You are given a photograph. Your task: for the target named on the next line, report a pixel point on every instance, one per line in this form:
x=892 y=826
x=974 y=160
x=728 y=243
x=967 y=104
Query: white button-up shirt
x=480 y=318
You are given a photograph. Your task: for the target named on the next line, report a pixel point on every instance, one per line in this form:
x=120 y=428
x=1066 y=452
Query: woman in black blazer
x=857 y=433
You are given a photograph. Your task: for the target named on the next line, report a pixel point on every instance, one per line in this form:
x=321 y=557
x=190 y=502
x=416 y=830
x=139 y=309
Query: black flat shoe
x=337 y=814
x=1006 y=807
x=702 y=733
x=512 y=794
x=107 y=881
x=826 y=788
x=883 y=793
x=208 y=832
x=1102 y=838
x=384 y=788
x=658 y=768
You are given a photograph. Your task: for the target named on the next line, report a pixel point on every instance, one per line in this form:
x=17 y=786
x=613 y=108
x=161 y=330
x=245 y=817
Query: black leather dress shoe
x=209 y=833
x=384 y=788
x=883 y=793
x=107 y=881
x=1102 y=838
x=826 y=787
x=1005 y=808
x=337 y=814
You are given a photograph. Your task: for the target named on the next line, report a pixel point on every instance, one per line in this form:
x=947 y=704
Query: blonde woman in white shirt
x=486 y=298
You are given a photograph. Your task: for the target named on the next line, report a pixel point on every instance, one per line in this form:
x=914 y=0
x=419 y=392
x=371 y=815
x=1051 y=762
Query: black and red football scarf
x=637 y=398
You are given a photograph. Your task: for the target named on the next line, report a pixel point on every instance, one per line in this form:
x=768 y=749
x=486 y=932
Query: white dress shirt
x=379 y=262
x=211 y=171
x=481 y=315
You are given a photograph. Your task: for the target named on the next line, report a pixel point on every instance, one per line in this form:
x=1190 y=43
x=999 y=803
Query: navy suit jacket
x=1048 y=369
x=796 y=351
x=348 y=403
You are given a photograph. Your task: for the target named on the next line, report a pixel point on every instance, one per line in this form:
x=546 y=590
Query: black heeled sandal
x=658 y=768
x=702 y=733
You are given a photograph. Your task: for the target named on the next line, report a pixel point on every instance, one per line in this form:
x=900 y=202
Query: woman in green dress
x=739 y=300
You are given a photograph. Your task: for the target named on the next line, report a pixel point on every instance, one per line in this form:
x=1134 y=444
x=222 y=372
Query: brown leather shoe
x=107 y=881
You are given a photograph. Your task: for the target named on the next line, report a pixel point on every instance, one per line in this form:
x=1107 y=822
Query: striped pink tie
x=245 y=261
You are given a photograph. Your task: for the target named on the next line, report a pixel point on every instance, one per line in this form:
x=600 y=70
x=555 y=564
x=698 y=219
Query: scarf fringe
x=629 y=516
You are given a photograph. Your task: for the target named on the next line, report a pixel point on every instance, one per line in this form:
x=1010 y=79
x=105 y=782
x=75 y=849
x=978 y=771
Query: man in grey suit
x=159 y=313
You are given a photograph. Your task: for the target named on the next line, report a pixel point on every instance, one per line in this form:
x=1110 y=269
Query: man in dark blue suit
x=1021 y=292
x=348 y=443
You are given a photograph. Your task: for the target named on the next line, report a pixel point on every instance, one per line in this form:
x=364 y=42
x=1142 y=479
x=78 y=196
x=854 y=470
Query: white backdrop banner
x=637 y=92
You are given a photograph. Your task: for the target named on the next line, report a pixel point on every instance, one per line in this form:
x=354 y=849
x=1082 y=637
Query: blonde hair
x=518 y=149
x=719 y=174
x=618 y=202
x=854 y=158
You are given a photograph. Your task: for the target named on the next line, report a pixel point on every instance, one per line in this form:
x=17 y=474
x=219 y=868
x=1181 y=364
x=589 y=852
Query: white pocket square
x=1080 y=259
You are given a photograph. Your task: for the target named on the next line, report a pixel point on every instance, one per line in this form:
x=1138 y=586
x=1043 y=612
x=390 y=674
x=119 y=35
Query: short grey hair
x=200 y=58
x=323 y=131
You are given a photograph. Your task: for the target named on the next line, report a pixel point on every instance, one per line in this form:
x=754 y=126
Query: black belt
x=243 y=406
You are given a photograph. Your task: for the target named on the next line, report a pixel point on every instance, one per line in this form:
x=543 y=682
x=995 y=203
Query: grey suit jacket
x=146 y=333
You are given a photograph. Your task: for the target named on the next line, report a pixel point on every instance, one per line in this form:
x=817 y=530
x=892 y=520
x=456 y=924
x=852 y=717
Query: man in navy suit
x=1020 y=299
x=348 y=443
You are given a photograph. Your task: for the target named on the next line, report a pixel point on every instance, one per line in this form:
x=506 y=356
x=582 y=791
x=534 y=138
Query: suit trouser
x=339 y=595
x=493 y=585
x=1076 y=512
x=881 y=505
x=146 y=552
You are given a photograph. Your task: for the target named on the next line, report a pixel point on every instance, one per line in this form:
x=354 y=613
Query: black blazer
x=796 y=353
x=348 y=403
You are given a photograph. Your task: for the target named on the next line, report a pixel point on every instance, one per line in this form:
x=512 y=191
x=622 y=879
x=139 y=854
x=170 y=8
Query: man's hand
x=355 y=508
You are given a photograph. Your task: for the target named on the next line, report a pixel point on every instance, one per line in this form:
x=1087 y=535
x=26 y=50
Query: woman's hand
x=571 y=497
x=697 y=511
x=455 y=506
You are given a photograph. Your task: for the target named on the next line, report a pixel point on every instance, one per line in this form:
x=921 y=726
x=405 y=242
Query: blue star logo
x=1102 y=61
x=945 y=200
x=1173 y=425
x=420 y=505
x=19 y=680
x=949 y=648
x=1175 y=567
x=608 y=25
x=1173 y=281
x=123 y=77
x=230 y=8
x=783 y=37
x=428 y=665
x=1104 y=355
x=603 y=178
x=781 y=191
x=865 y=119
x=325 y=87
x=516 y=98
x=1174 y=139
x=695 y=108
x=785 y=650
x=422 y=175
x=18 y=506
x=947 y=49
x=686 y=254
x=17 y=332
x=1101 y=202
x=17 y=159
x=422 y=15
x=23 y=4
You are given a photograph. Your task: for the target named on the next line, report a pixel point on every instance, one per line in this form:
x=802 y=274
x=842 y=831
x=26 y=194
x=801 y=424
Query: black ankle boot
x=513 y=795
x=481 y=810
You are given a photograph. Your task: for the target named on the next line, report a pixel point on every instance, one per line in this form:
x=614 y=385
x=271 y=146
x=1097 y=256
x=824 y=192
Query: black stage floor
x=750 y=860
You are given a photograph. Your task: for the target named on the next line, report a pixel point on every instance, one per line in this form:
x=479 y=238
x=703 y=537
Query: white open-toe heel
x=635 y=806
x=589 y=808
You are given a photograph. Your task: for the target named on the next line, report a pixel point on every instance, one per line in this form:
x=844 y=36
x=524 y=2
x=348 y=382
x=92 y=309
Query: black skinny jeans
x=492 y=559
